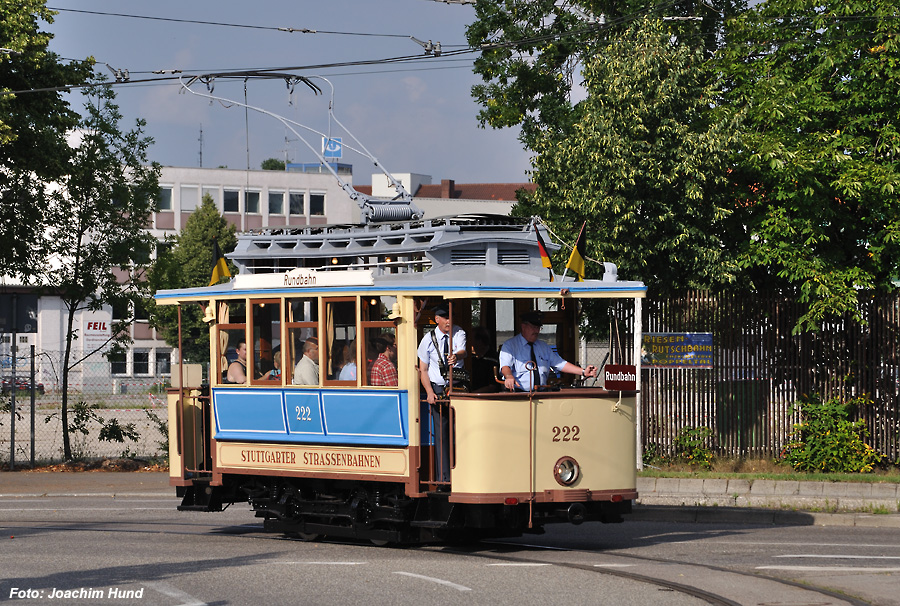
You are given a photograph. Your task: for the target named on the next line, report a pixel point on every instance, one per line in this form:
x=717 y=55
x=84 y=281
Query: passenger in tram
x=237 y=370
x=306 y=371
x=384 y=370
x=338 y=354
x=525 y=347
x=348 y=371
x=275 y=373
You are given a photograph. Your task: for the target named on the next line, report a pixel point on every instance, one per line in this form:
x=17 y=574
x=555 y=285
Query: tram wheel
x=380 y=542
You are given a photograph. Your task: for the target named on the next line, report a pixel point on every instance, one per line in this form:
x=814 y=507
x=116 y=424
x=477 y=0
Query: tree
x=95 y=224
x=644 y=163
x=532 y=49
x=189 y=263
x=819 y=163
x=33 y=127
x=272 y=164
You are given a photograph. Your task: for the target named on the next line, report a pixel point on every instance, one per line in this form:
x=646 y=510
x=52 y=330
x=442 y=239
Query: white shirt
x=516 y=353
x=432 y=357
x=348 y=372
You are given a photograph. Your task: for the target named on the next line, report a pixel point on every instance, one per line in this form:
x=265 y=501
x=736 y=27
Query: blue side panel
x=258 y=412
x=312 y=416
x=377 y=415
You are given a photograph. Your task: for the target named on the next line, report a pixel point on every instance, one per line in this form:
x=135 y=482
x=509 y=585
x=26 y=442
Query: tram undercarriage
x=383 y=513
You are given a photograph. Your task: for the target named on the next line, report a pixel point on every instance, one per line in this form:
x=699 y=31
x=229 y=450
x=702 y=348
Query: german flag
x=576 y=259
x=220 y=268
x=545 y=256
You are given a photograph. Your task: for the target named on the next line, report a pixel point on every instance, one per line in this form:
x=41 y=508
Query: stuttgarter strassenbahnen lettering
x=323 y=459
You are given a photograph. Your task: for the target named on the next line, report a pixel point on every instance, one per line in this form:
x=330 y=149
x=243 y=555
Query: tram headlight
x=567 y=471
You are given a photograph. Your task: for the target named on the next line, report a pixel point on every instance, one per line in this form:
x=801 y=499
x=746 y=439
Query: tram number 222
x=566 y=433
x=304 y=413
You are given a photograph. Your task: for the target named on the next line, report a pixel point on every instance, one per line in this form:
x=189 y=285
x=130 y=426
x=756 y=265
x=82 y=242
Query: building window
x=212 y=192
x=118 y=363
x=251 y=203
x=317 y=204
x=121 y=310
x=142 y=362
x=296 y=203
x=276 y=203
x=164 y=201
x=190 y=198
x=230 y=203
x=163 y=362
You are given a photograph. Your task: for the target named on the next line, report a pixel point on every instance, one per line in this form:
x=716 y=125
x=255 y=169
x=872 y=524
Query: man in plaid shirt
x=384 y=370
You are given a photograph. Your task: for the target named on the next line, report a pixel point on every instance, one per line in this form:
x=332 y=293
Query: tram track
x=659 y=572
x=711 y=597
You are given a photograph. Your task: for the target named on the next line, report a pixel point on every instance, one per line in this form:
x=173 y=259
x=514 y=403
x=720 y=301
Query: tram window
x=266 y=336
x=381 y=357
x=379 y=342
x=302 y=323
x=340 y=340
x=232 y=349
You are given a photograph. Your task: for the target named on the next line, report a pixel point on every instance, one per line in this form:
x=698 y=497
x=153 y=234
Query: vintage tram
x=348 y=453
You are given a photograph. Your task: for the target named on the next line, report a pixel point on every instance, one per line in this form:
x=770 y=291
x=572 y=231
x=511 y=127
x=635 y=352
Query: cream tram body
x=352 y=459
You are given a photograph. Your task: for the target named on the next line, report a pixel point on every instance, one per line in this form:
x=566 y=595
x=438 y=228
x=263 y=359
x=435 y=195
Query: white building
x=254 y=199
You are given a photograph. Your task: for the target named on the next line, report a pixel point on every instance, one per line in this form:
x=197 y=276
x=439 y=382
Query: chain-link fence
x=109 y=415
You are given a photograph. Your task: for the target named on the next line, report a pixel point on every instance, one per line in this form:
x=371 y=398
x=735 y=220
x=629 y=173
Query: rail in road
x=75 y=543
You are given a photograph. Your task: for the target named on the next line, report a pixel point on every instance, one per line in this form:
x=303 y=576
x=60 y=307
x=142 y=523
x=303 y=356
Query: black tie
x=535 y=373
x=446 y=347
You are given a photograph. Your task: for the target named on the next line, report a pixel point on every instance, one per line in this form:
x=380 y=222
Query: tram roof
x=458 y=256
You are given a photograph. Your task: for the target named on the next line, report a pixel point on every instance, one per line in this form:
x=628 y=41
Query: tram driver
x=525 y=360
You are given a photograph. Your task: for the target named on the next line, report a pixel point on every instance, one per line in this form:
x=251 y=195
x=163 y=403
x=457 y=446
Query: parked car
x=22 y=384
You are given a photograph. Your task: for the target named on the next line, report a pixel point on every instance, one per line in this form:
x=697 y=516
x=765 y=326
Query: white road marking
x=840 y=557
x=172 y=592
x=521 y=564
x=324 y=563
x=795 y=545
x=828 y=569
x=434 y=580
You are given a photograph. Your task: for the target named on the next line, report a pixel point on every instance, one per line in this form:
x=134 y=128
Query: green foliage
x=112 y=431
x=644 y=162
x=33 y=127
x=828 y=441
x=188 y=264
x=531 y=49
x=272 y=164
x=818 y=168
x=692 y=446
x=162 y=426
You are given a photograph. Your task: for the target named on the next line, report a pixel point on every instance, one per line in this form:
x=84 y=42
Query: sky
x=414 y=117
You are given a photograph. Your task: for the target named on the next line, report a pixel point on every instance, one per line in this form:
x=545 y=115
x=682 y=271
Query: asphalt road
x=91 y=544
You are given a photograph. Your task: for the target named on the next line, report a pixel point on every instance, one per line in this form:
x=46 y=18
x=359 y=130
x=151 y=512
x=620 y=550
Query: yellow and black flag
x=220 y=268
x=545 y=256
x=576 y=259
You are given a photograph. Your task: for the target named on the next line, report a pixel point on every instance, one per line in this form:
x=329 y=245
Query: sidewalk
x=769 y=502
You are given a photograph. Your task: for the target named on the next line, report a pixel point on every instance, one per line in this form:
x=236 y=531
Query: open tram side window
x=231 y=342
x=380 y=340
x=265 y=361
x=302 y=323
x=342 y=347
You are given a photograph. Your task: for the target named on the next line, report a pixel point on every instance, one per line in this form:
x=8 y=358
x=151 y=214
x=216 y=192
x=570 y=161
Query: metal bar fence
x=761 y=368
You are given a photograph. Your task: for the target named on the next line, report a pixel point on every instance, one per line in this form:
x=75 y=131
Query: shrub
x=826 y=440
x=692 y=446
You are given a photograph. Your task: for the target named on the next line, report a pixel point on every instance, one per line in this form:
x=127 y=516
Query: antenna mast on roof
x=372 y=210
